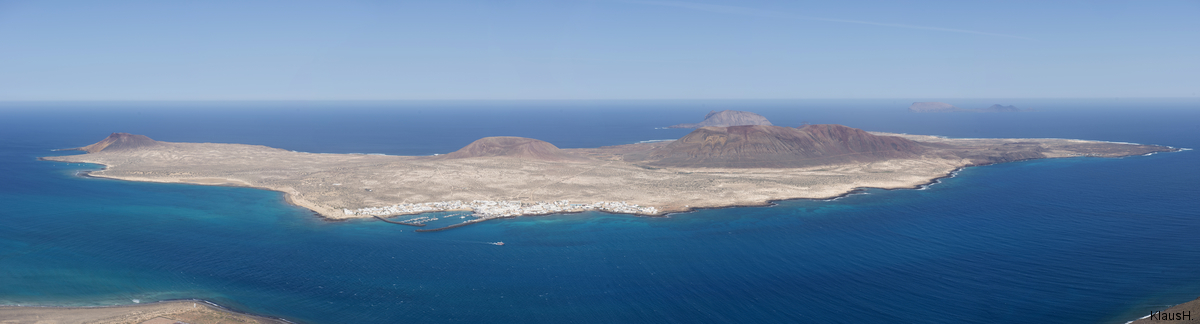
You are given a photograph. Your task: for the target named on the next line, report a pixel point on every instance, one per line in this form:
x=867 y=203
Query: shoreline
x=290 y=199
x=287 y=197
x=666 y=214
x=730 y=188
x=137 y=312
x=768 y=203
x=855 y=191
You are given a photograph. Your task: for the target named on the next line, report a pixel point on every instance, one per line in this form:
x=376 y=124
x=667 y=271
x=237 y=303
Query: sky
x=595 y=50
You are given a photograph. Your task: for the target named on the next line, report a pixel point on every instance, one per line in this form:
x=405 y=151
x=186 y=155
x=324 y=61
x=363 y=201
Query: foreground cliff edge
x=1184 y=312
x=175 y=311
x=748 y=165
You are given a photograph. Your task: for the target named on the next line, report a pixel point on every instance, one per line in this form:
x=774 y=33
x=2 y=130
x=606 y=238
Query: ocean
x=1077 y=240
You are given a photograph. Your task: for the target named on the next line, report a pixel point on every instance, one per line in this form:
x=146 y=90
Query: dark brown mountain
x=508 y=146
x=120 y=142
x=726 y=118
x=760 y=146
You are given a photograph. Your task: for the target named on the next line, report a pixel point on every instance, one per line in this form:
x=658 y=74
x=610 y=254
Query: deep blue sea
x=1079 y=240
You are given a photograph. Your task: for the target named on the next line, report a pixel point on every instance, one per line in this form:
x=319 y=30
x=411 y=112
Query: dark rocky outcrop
x=120 y=142
x=760 y=146
x=508 y=146
x=727 y=118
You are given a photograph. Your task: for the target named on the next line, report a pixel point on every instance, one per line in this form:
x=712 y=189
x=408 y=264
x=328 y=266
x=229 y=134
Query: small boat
x=497 y=243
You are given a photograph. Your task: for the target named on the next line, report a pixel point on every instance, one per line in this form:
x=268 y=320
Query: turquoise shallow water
x=1071 y=240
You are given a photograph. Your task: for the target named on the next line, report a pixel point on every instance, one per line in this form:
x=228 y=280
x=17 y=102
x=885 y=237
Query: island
x=933 y=106
x=713 y=166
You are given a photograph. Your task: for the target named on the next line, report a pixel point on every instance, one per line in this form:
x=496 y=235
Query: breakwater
x=401 y=223
x=453 y=226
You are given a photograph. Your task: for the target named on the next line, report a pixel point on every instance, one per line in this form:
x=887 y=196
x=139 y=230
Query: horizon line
x=545 y=99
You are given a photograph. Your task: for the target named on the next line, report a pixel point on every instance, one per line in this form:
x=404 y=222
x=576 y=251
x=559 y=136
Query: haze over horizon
x=595 y=50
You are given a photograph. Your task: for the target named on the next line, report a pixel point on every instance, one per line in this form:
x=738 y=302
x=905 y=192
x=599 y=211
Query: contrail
x=764 y=13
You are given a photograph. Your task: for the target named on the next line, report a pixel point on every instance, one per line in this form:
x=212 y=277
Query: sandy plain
x=331 y=183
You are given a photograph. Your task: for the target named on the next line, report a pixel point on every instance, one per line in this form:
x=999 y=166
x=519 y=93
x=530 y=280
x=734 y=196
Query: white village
x=488 y=209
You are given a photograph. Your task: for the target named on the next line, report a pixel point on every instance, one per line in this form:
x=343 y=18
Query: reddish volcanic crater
x=120 y=142
x=515 y=147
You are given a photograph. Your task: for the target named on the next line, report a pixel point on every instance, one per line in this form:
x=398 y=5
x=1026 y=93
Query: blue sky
x=514 y=49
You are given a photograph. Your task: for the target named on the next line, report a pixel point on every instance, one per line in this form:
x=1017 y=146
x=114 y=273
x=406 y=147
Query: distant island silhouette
x=933 y=106
x=726 y=118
